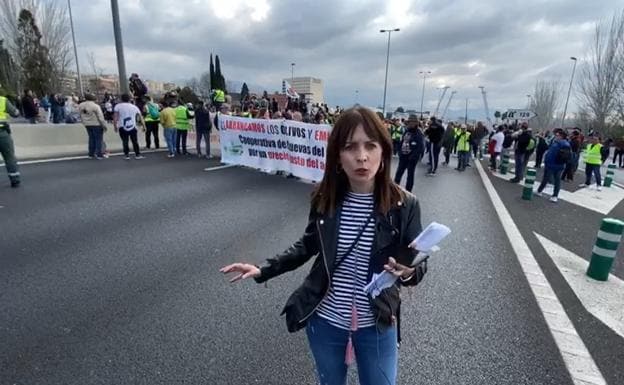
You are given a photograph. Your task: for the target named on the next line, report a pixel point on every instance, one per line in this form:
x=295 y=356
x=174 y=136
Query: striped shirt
x=350 y=277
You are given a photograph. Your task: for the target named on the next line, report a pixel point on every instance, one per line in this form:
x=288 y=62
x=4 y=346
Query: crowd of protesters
x=414 y=139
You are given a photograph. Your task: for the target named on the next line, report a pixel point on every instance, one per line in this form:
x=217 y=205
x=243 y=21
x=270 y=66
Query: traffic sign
x=520 y=114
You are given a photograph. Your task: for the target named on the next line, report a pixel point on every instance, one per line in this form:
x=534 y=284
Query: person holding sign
x=360 y=224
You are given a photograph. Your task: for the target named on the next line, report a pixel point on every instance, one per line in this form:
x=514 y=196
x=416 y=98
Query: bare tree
x=53 y=22
x=204 y=85
x=603 y=73
x=193 y=84
x=545 y=101
x=97 y=73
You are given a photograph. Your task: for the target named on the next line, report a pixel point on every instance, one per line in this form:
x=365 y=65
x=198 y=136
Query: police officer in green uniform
x=6 y=142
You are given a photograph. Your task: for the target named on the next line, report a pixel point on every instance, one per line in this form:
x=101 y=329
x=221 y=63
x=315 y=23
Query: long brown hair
x=335 y=184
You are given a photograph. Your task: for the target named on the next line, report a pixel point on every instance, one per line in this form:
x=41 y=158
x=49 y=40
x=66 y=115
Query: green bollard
x=529 y=179
x=603 y=253
x=504 y=164
x=610 y=173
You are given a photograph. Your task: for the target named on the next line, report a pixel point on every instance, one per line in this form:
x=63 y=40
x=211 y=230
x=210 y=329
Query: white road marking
x=50 y=160
x=574 y=353
x=600 y=201
x=219 y=167
x=605 y=300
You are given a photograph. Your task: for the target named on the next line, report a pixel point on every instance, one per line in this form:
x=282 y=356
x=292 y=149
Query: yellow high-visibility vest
x=182 y=122
x=219 y=96
x=464 y=141
x=593 y=154
x=3 y=109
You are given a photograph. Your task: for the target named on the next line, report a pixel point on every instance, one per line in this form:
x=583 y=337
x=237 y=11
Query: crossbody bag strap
x=355 y=241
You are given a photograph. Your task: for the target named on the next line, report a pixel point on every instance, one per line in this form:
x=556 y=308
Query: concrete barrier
x=37 y=141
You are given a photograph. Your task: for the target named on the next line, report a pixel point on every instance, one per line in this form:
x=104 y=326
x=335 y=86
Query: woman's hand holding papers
x=398 y=270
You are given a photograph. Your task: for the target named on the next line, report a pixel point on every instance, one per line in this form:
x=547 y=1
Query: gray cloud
x=504 y=46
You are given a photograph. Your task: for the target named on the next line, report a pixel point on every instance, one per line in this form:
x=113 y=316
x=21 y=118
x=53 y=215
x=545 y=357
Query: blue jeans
x=96 y=137
x=376 y=353
x=555 y=176
x=592 y=169
x=434 y=156
x=198 y=138
x=519 y=158
x=462 y=159
x=170 y=137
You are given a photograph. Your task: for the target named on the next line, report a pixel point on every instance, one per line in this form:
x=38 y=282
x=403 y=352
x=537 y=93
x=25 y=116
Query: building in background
x=309 y=87
x=169 y=87
x=155 y=88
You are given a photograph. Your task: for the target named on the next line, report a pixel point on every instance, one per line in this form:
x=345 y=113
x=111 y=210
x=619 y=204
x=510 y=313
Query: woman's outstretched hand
x=243 y=270
x=398 y=270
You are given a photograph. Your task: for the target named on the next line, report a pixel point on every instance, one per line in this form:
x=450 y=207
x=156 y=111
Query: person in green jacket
x=182 y=115
x=7 y=148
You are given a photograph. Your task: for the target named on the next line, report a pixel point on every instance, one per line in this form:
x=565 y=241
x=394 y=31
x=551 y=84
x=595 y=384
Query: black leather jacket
x=397 y=228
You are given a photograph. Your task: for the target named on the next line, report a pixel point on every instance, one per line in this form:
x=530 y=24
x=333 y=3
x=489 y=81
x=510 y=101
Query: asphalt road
x=109 y=275
x=575 y=228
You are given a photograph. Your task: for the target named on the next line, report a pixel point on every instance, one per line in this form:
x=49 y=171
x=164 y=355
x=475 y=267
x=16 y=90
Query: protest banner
x=275 y=145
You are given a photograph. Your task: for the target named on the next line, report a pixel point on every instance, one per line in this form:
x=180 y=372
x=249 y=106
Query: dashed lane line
x=575 y=355
x=219 y=167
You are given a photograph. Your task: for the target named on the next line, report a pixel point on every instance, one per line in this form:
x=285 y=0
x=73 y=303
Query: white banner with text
x=275 y=145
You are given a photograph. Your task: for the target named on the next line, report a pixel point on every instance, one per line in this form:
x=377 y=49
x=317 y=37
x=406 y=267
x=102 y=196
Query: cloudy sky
x=504 y=46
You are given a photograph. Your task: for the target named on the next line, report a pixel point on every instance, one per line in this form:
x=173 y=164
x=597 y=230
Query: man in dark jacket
x=434 y=133
x=203 y=126
x=541 y=148
x=448 y=142
x=554 y=164
x=572 y=165
x=523 y=138
x=476 y=139
x=29 y=107
x=412 y=149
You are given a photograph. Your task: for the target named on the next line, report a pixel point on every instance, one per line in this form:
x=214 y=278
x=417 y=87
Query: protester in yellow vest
x=462 y=142
x=168 y=121
x=593 y=159
x=396 y=133
x=151 y=111
x=182 y=115
x=7 y=148
x=218 y=98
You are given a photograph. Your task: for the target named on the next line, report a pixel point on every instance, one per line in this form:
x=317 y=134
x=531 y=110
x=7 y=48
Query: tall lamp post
x=528 y=101
x=422 y=97
x=292 y=72
x=448 y=103
x=71 y=24
x=485 y=105
x=444 y=89
x=121 y=62
x=357 y=93
x=389 y=31
x=565 y=109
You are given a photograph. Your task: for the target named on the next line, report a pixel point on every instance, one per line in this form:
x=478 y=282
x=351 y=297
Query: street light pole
x=448 y=104
x=528 y=101
x=466 y=116
x=565 y=109
x=387 y=62
x=71 y=24
x=422 y=97
x=121 y=63
x=485 y=104
x=356 y=96
x=292 y=72
x=440 y=100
